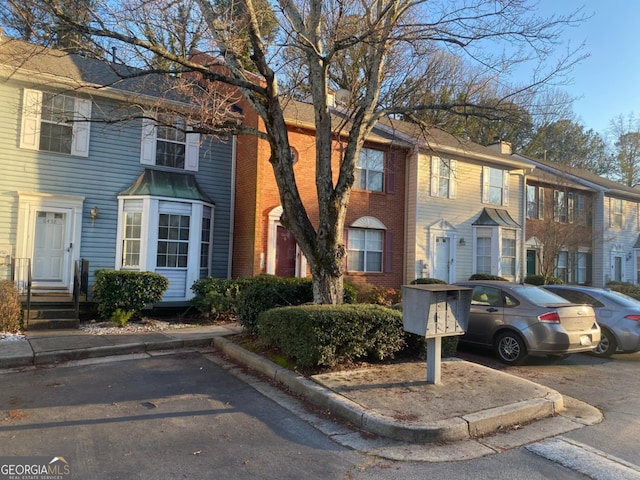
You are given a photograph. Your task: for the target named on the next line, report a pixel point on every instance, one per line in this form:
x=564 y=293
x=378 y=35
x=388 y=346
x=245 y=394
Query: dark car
x=617 y=314
x=519 y=320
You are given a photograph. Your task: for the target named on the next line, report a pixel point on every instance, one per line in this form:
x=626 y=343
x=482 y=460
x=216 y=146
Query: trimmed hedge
x=218 y=296
x=326 y=335
x=487 y=276
x=428 y=281
x=10 y=307
x=627 y=288
x=268 y=291
x=540 y=280
x=127 y=290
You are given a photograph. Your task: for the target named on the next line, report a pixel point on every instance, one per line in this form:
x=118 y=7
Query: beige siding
x=456 y=214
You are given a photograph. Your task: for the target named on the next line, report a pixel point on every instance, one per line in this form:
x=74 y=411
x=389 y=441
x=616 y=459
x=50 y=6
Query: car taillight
x=549 y=317
x=633 y=317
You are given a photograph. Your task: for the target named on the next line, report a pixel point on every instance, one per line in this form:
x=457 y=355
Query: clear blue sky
x=608 y=81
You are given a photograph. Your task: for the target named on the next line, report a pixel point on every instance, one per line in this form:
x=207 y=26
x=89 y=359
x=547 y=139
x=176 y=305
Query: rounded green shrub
x=428 y=281
x=127 y=290
x=215 y=297
x=10 y=307
x=625 y=287
x=326 y=335
x=267 y=291
x=487 y=276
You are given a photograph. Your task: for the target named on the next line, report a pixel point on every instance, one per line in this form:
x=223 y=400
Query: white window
x=167 y=143
x=205 y=242
x=55 y=122
x=496 y=251
x=616 y=213
x=579 y=208
x=561 y=270
x=560 y=206
x=508 y=253
x=495 y=186
x=443 y=177
x=581 y=268
x=173 y=241
x=483 y=250
x=131 y=234
x=535 y=202
x=365 y=249
x=369 y=174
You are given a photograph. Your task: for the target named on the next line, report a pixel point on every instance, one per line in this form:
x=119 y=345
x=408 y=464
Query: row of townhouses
x=133 y=194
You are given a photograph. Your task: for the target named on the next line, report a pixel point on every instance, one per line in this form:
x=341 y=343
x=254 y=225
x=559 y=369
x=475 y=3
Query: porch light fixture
x=462 y=243
x=93 y=213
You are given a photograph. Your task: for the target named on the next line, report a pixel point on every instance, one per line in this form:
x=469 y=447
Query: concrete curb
x=452 y=429
x=38 y=358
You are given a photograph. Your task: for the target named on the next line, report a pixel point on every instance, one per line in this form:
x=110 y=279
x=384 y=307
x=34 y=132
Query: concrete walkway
x=392 y=401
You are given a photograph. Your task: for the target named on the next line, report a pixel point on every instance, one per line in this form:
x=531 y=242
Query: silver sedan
x=617 y=314
x=519 y=320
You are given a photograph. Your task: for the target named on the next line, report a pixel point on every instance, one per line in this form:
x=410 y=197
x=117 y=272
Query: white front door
x=442 y=258
x=49 y=234
x=49 y=246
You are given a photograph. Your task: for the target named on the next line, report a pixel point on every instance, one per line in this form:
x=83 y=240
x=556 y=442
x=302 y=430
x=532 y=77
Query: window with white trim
x=173 y=240
x=508 y=258
x=616 y=213
x=369 y=173
x=443 y=177
x=561 y=268
x=560 y=208
x=581 y=268
x=167 y=143
x=535 y=202
x=483 y=250
x=55 y=122
x=496 y=251
x=495 y=186
x=365 y=250
x=205 y=242
x=131 y=234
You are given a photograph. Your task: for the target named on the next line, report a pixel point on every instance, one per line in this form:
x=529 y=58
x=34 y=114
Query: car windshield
x=539 y=296
x=621 y=299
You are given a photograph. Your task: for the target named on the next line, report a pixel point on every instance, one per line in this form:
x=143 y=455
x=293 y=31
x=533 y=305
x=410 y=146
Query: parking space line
x=585 y=459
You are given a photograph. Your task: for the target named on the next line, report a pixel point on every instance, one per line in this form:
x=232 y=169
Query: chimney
x=501 y=146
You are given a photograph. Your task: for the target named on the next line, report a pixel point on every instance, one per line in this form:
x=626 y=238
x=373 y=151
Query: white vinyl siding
x=55 y=122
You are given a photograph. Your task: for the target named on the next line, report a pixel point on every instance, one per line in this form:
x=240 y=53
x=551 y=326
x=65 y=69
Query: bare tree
x=566 y=142
x=559 y=219
x=377 y=50
x=626 y=134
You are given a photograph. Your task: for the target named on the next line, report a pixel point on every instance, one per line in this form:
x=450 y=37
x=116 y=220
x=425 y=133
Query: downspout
x=232 y=205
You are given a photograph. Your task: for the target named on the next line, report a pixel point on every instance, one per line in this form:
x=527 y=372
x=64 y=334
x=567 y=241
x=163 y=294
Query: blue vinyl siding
x=113 y=165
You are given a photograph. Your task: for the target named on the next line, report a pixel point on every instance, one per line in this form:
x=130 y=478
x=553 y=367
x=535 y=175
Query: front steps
x=50 y=311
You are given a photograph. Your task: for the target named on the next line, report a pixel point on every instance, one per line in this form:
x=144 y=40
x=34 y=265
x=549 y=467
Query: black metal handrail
x=80 y=283
x=76 y=288
x=21 y=277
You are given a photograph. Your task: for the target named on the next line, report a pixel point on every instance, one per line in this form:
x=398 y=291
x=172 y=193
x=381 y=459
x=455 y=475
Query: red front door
x=285 y=253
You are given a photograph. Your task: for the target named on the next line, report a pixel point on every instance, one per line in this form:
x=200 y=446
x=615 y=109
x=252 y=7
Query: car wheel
x=607 y=345
x=510 y=348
